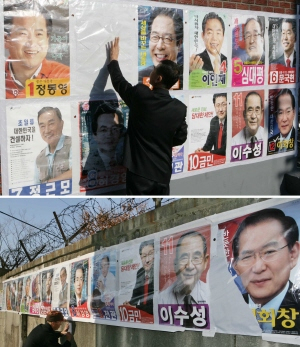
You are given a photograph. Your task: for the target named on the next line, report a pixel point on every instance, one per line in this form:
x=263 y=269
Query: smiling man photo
x=253 y=115
x=54 y=163
x=265 y=250
x=190 y=262
x=27 y=29
x=166 y=38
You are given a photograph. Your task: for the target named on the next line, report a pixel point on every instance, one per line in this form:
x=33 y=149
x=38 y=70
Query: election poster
x=27 y=295
x=248 y=50
x=207 y=130
x=247 y=125
x=282 y=50
x=136 y=283
x=6 y=297
x=60 y=288
x=104 y=285
x=36 y=294
x=2 y=299
x=183 y=298
x=262 y=252
x=47 y=289
x=282 y=118
x=79 y=284
x=39 y=149
x=103 y=127
x=20 y=293
x=37 y=50
x=160 y=37
x=208 y=50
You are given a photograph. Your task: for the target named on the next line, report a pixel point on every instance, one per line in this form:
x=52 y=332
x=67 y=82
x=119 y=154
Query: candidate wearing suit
x=211 y=59
x=216 y=139
x=288 y=41
x=108 y=129
x=285 y=114
x=265 y=250
x=78 y=300
x=165 y=41
x=156 y=124
x=142 y=294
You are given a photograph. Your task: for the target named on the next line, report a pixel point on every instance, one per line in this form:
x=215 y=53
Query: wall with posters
x=63 y=125
x=234 y=272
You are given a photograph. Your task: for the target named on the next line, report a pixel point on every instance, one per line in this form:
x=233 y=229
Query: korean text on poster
x=104 y=286
x=160 y=38
x=282 y=53
x=208 y=50
x=248 y=50
x=137 y=283
x=208 y=129
x=102 y=126
x=282 y=112
x=37 y=65
x=39 y=149
x=183 y=298
x=262 y=251
x=247 y=125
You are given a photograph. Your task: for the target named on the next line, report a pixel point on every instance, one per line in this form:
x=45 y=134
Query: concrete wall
x=14 y=327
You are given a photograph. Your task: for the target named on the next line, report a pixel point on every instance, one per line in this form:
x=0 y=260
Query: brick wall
x=287 y=7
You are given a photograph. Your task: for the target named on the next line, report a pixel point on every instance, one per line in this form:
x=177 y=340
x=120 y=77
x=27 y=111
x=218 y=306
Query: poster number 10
x=167 y=244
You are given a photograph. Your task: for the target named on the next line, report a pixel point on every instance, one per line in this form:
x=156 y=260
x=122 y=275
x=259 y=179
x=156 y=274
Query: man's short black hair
x=25 y=6
x=79 y=266
x=248 y=95
x=50 y=272
x=174 y=14
x=212 y=15
x=293 y=23
x=259 y=21
x=215 y=96
x=145 y=244
x=48 y=109
x=169 y=71
x=284 y=91
x=192 y=233
x=290 y=229
x=105 y=257
x=106 y=107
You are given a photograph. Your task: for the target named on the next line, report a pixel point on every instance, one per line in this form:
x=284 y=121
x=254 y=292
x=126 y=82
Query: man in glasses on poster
x=165 y=42
x=188 y=290
x=265 y=250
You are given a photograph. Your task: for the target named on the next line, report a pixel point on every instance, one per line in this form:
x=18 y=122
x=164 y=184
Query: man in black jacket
x=45 y=335
x=156 y=124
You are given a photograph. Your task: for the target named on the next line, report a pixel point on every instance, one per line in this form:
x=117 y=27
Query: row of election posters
x=213 y=48
x=79 y=149
x=64 y=127
x=236 y=272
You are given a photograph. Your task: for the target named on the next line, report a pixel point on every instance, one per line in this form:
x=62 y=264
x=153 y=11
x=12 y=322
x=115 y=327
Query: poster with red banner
x=136 y=284
x=247 y=125
x=282 y=50
x=183 y=299
x=208 y=130
x=262 y=251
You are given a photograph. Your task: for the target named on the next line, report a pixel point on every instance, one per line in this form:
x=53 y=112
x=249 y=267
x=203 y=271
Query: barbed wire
x=71 y=220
